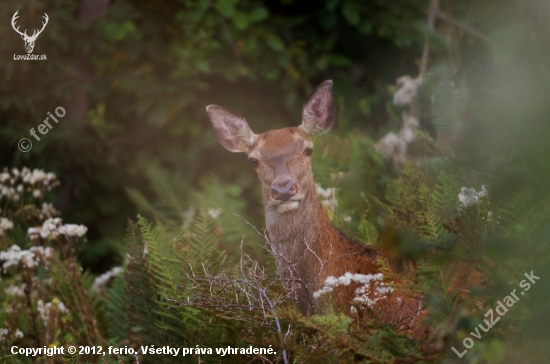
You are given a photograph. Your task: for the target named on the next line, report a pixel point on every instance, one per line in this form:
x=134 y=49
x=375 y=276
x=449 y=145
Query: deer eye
x=308 y=151
x=254 y=162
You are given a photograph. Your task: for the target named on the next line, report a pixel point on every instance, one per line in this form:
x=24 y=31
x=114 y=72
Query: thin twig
x=432 y=10
x=464 y=26
x=277 y=323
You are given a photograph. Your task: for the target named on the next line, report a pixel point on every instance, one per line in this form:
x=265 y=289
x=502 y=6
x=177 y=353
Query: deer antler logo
x=29 y=41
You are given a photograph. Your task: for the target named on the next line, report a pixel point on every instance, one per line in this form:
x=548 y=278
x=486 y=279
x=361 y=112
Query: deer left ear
x=319 y=112
x=231 y=129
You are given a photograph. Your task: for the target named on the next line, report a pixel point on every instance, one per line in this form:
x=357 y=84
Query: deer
x=29 y=40
x=308 y=248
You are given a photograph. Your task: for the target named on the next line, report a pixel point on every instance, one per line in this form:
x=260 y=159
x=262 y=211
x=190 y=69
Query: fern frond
x=142 y=202
x=166 y=271
x=163 y=184
x=393 y=193
x=432 y=227
x=116 y=310
x=140 y=297
x=203 y=244
x=367 y=232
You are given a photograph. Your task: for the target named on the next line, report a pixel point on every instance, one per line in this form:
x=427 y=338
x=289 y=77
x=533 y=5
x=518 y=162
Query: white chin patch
x=288 y=206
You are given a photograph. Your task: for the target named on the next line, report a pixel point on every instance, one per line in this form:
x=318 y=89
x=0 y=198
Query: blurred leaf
x=241 y=20
x=117 y=32
x=274 y=42
x=258 y=14
x=351 y=11
x=226 y=7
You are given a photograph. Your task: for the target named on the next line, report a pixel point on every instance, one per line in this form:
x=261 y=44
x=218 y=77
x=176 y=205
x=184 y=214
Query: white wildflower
x=14 y=256
x=9 y=192
x=101 y=281
x=470 y=197
x=214 y=213
x=44 y=253
x=50 y=177
x=44 y=309
x=37 y=175
x=322 y=291
x=407 y=90
x=364 y=293
x=5 y=224
x=370 y=295
x=26 y=175
x=393 y=145
x=47 y=211
x=16 y=291
x=14 y=182
x=328 y=197
x=3 y=335
x=52 y=227
x=72 y=230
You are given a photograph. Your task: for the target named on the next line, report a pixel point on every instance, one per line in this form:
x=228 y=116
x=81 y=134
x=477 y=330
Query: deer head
x=29 y=41
x=282 y=157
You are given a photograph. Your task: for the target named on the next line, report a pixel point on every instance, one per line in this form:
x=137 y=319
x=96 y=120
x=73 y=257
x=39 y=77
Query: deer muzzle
x=283 y=191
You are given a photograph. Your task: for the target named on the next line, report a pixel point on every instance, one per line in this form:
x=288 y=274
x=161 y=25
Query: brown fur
x=308 y=249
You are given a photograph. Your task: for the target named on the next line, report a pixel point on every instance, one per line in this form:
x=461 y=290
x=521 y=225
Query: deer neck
x=307 y=227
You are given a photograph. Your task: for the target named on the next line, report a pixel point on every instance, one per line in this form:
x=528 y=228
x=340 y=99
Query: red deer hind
x=307 y=247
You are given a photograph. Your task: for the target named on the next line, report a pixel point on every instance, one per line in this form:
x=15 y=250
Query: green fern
x=142 y=202
x=393 y=193
x=157 y=289
x=432 y=228
x=367 y=232
x=140 y=298
x=116 y=311
x=202 y=242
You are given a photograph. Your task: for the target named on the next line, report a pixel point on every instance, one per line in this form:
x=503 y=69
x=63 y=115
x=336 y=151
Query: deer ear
x=319 y=112
x=232 y=130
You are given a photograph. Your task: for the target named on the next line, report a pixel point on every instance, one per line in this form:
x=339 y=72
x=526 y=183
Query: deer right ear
x=231 y=129
x=319 y=112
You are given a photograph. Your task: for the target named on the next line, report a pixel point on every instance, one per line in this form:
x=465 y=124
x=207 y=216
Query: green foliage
x=48 y=300
x=115 y=308
x=161 y=292
x=151 y=284
x=135 y=82
x=367 y=232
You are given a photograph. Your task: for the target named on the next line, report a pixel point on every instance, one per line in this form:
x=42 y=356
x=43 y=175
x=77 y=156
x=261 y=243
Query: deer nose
x=283 y=191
